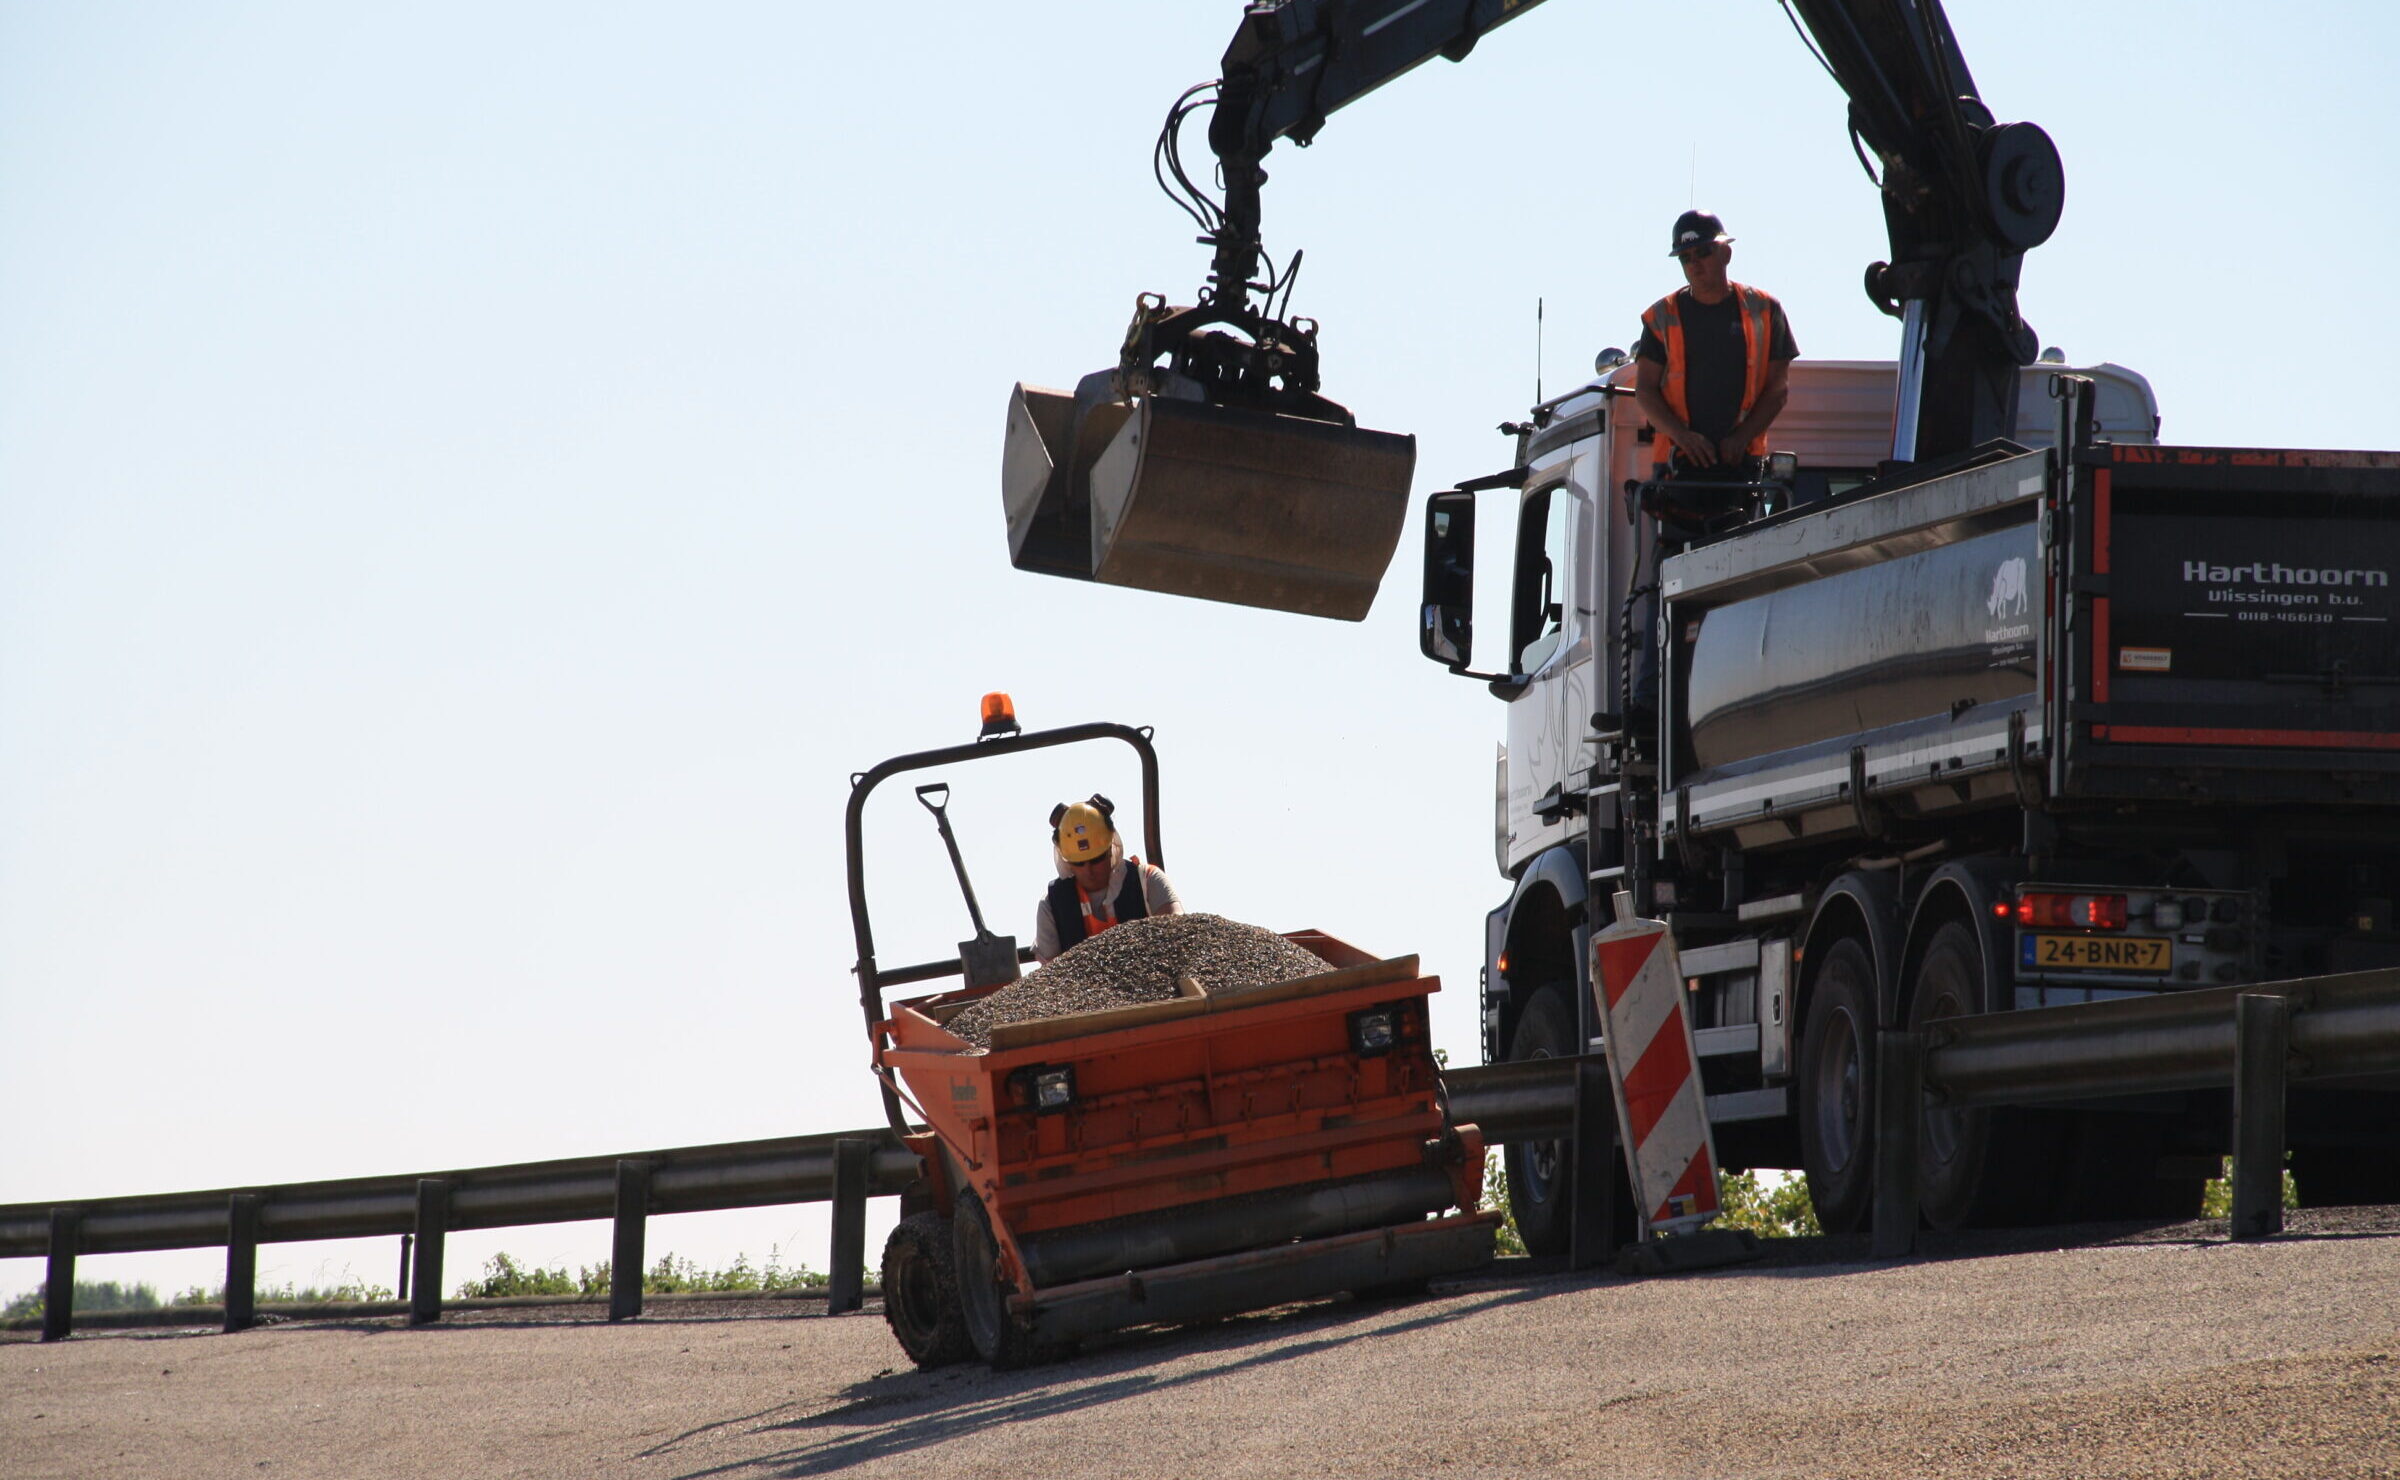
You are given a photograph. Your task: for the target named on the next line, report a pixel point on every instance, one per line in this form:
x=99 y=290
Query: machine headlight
x=1053 y=1089
x=1374 y=1030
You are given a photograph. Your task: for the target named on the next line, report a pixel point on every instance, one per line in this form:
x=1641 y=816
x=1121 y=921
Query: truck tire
x=2345 y=1176
x=920 y=1292
x=1541 y=1173
x=1975 y=1168
x=1837 y=1048
x=999 y=1338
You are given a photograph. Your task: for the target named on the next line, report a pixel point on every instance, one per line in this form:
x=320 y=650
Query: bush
x=1781 y=1210
x=672 y=1275
x=1495 y=1196
x=290 y=1294
x=2216 y=1195
x=89 y=1296
x=504 y=1276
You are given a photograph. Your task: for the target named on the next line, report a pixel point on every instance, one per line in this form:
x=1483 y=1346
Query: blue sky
x=475 y=481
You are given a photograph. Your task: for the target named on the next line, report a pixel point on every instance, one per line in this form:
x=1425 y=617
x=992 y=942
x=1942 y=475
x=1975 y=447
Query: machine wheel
x=1837 y=1045
x=1975 y=1168
x=920 y=1292
x=998 y=1337
x=1541 y=1173
x=2345 y=1176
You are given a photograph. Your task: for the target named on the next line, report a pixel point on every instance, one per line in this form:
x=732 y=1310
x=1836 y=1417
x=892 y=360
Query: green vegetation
x=503 y=1276
x=1495 y=1197
x=2216 y=1197
x=1780 y=1210
x=102 y=1295
x=286 y=1293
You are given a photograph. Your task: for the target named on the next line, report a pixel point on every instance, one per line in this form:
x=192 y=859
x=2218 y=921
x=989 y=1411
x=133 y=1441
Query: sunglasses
x=1697 y=254
x=1087 y=862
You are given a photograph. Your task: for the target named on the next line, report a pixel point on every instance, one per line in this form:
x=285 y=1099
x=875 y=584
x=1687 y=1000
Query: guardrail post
x=625 y=1256
x=1592 y=1153
x=2262 y=1032
x=241 y=1261
x=845 y=1279
x=1899 y=1109
x=58 y=1296
x=433 y=1222
x=405 y=1240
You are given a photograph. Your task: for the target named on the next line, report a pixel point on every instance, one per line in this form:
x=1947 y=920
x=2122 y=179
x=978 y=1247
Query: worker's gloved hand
x=1698 y=450
x=1732 y=450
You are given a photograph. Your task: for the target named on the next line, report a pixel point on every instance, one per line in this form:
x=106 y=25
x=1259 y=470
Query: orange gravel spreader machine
x=1170 y=1161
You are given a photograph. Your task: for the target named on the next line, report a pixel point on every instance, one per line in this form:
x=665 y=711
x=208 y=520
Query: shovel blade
x=1248 y=507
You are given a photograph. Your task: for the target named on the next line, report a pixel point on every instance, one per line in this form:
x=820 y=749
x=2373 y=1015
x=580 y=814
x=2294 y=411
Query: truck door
x=1550 y=645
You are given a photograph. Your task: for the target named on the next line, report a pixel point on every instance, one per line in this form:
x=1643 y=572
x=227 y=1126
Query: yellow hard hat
x=1082 y=831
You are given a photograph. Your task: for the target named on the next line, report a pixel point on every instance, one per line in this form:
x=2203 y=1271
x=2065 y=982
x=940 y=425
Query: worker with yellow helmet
x=1099 y=885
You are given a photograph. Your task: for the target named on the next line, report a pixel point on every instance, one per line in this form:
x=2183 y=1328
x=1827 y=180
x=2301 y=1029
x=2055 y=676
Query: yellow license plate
x=2095 y=953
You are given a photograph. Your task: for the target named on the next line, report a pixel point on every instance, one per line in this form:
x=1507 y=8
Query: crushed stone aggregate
x=1141 y=961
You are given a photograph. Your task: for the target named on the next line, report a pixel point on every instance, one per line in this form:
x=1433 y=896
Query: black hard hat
x=1696 y=229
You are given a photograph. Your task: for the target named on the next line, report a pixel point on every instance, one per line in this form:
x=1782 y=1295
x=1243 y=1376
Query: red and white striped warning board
x=1637 y=986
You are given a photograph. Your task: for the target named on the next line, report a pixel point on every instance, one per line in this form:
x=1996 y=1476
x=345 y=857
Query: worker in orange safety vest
x=1098 y=885
x=1714 y=360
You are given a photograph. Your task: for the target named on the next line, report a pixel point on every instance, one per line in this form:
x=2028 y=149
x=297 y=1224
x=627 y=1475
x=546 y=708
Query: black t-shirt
x=1715 y=358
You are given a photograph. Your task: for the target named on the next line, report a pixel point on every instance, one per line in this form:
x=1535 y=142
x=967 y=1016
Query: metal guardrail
x=2255 y=1039
x=845 y=1168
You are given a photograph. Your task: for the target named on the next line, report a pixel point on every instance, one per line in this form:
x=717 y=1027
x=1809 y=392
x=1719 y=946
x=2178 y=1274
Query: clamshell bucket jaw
x=1224 y=503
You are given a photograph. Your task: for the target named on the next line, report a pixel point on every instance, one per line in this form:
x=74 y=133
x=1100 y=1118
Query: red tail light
x=2047 y=911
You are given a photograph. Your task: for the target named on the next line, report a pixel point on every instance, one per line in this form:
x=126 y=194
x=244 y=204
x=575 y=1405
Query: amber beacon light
x=999 y=717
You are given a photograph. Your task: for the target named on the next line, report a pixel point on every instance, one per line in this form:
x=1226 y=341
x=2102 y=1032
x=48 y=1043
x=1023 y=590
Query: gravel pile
x=1140 y=961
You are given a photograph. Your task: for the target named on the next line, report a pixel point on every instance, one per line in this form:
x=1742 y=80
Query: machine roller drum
x=1203 y=1230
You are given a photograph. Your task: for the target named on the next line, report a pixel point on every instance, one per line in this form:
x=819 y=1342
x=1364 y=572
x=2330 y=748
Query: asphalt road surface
x=2163 y=1353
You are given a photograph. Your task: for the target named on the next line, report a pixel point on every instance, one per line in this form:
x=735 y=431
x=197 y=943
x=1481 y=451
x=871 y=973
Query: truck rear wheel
x=920 y=1292
x=1837 y=1046
x=998 y=1337
x=1541 y=1173
x=1975 y=1168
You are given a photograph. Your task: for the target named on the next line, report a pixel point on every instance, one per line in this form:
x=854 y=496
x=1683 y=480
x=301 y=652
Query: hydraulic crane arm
x=1206 y=463
x=1294 y=62
x=1964 y=198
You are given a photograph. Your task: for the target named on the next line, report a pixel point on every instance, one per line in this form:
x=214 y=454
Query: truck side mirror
x=1446 y=623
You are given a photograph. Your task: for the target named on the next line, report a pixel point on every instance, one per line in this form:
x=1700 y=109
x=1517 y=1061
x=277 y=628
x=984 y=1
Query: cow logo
x=2008 y=588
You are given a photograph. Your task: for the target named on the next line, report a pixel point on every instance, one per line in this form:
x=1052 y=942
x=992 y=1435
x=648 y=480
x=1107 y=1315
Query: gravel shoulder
x=2162 y=1352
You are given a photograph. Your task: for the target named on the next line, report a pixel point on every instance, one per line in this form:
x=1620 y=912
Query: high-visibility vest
x=1071 y=908
x=1665 y=319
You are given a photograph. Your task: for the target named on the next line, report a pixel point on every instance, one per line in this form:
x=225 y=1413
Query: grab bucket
x=1215 y=502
